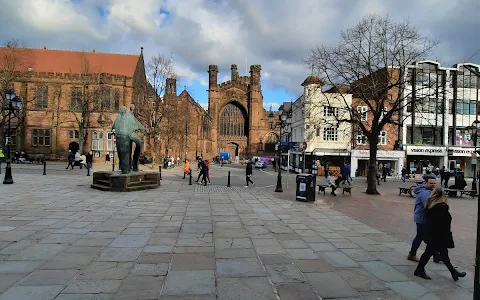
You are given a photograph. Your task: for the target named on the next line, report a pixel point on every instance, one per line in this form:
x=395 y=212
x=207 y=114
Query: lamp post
x=13 y=103
x=114 y=143
x=474 y=130
x=283 y=116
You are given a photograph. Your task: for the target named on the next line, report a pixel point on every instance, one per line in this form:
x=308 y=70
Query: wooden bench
x=322 y=187
x=472 y=193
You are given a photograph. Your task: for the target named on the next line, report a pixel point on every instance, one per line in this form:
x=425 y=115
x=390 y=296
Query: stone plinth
x=118 y=182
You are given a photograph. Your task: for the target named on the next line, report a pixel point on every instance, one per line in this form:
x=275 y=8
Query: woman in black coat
x=438 y=234
x=248 y=173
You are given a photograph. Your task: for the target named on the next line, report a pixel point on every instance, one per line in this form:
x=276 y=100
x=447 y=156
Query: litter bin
x=305 y=187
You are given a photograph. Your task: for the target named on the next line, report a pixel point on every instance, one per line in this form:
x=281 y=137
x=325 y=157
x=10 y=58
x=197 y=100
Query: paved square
x=188 y=242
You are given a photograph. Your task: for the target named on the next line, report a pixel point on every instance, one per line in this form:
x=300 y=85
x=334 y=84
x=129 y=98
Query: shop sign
x=461 y=151
x=429 y=151
x=380 y=153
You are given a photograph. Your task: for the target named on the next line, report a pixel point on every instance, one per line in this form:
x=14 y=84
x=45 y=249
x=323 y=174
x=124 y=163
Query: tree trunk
x=372 y=168
x=81 y=140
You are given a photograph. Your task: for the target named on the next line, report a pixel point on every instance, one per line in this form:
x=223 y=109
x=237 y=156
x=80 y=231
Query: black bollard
x=190 y=179
x=44 y=168
x=160 y=171
x=0 y=167
x=228 y=183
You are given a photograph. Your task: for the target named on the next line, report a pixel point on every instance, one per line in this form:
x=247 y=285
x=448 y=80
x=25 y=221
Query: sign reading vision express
x=429 y=151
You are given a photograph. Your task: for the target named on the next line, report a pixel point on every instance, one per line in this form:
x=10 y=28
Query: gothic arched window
x=271 y=139
x=232 y=121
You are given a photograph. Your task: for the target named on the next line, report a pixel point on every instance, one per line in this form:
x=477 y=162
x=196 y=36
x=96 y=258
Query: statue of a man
x=125 y=126
x=137 y=126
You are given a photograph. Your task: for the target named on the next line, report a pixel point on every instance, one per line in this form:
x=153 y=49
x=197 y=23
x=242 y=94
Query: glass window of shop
x=426 y=135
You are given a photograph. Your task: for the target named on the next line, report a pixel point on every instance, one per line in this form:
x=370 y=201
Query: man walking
x=249 y=171
x=346 y=173
x=200 y=173
x=422 y=192
x=404 y=174
x=71 y=159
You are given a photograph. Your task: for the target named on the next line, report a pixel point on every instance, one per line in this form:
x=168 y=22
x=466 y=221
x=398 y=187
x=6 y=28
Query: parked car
x=260 y=164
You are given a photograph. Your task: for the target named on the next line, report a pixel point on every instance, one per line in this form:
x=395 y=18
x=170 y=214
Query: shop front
x=360 y=160
x=462 y=158
x=419 y=158
x=330 y=158
x=301 y=162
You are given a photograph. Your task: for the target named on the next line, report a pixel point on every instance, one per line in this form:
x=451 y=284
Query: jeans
x=334 y=188
x=404 y=178
x=418 y=238
x=347 y=179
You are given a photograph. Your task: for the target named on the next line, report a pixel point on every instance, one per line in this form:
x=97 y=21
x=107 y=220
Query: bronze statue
x=126 y=127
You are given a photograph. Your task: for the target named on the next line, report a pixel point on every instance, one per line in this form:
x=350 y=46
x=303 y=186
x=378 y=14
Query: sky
x=277 y=34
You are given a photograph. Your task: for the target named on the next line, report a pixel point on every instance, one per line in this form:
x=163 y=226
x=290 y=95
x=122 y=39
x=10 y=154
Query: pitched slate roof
x=61 y=61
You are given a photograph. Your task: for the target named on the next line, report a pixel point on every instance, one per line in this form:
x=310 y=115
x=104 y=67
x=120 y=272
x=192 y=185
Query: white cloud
x=276 y=34
x=133 y=15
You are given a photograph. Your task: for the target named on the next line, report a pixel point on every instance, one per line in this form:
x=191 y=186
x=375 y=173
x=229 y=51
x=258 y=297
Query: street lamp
x=13 y=103
x=284 y=118
x=114 y=145
x=474 y=131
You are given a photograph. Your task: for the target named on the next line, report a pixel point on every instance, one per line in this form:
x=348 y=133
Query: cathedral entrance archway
x=233 y=128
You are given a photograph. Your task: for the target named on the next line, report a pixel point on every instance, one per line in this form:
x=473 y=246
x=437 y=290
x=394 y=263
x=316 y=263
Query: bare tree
x=371 y=59
x=158 y=70
x=15 y=59
x=89 y=97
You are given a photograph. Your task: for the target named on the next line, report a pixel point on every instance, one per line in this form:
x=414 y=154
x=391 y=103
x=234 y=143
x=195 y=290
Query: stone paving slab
x=195 y=242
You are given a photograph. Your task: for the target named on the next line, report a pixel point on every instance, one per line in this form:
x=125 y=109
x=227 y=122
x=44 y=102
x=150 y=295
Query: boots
x=456 y=274
x=421 y=273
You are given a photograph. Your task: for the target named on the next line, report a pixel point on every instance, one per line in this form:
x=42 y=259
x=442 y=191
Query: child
x=331 y=183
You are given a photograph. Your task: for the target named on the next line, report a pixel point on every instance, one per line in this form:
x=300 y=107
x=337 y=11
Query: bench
x=405 y=190
x=322 y=187
x=450 y=192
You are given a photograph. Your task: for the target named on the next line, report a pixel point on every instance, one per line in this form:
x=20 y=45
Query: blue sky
x=277 y=34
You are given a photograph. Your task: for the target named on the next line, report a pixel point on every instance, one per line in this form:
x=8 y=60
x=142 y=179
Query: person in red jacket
x=207 y=164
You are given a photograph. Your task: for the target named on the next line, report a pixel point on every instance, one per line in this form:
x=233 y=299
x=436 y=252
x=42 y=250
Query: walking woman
x=249 y=171
x=186 y=169
x=438 y=235
x=207 y=165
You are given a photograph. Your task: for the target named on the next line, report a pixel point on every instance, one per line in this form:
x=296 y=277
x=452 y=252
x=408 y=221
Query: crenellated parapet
x=239 y=84
x=255 y=68
x=99 y=78
x=212 y=68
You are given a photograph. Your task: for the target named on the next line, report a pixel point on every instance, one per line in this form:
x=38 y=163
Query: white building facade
x=315 y=130
x=435 y=131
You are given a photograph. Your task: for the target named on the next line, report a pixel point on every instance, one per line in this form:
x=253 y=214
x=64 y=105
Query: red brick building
x=239 y=122
x=234 y=122
x=61 y=90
